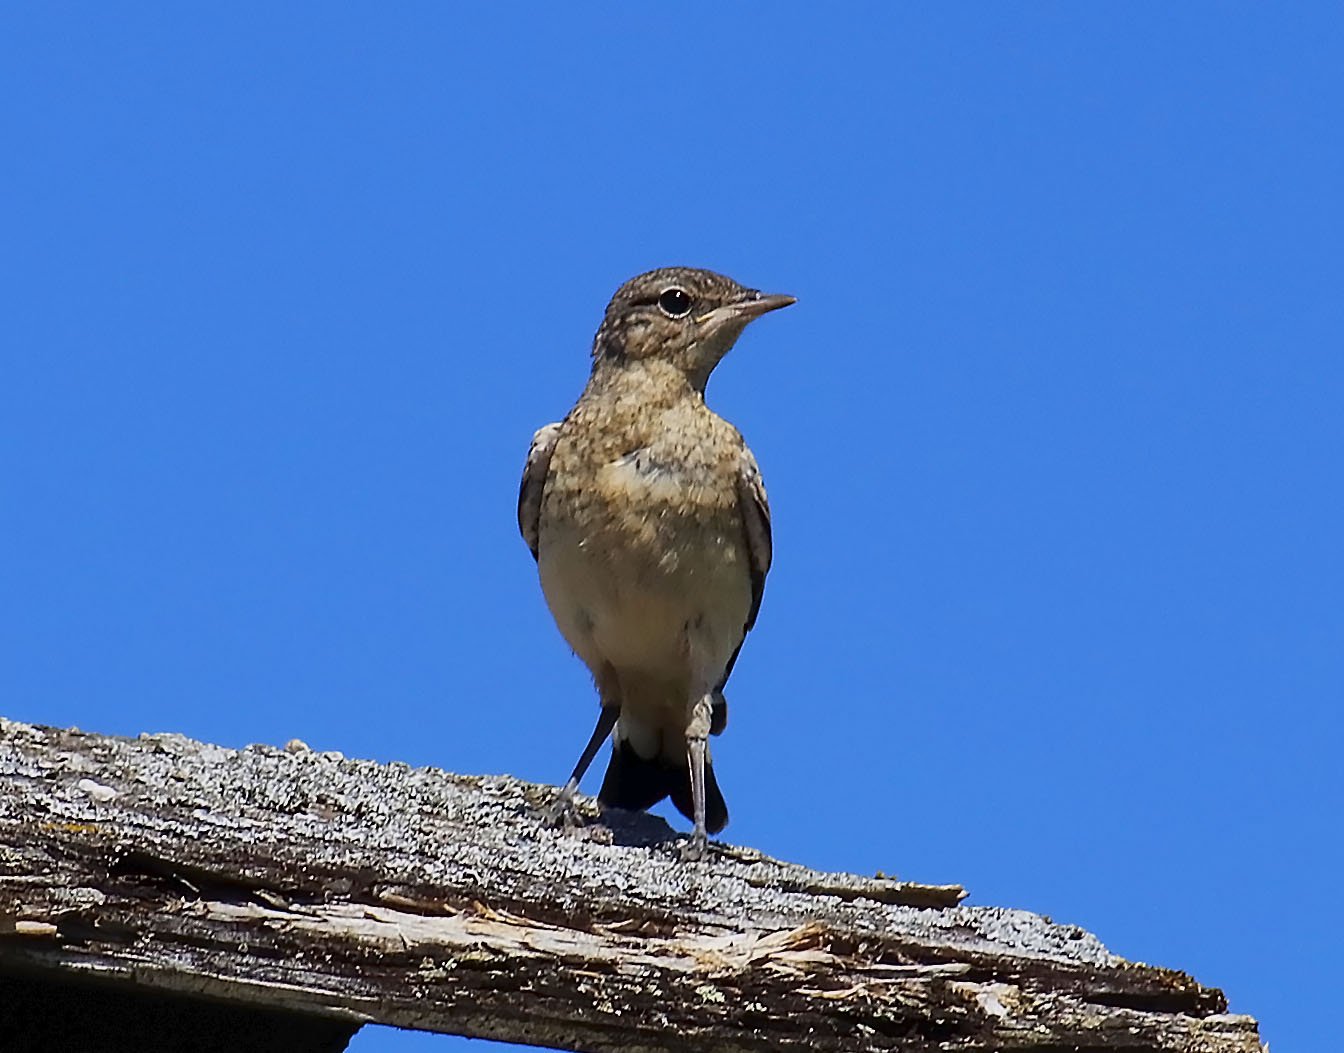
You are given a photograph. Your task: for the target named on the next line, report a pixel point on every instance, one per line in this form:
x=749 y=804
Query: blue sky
x=1052 y=436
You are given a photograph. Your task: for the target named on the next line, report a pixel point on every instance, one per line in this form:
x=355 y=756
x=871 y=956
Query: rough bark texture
x=292 y=882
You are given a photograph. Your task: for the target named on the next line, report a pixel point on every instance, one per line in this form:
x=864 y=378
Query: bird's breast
x=636 y=546
x=660 y=512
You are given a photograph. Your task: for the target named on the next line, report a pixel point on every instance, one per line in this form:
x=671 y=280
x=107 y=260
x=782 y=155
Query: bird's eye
x=674 y=302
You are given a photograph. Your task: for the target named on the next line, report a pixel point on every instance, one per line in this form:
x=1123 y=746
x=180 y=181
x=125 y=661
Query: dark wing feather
x=756 y=518
x=760 y=549
x=534 y=484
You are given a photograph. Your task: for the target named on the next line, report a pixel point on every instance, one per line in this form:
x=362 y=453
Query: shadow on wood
x=60 y=1014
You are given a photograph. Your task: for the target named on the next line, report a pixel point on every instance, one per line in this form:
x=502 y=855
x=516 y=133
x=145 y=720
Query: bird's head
x=686 y=317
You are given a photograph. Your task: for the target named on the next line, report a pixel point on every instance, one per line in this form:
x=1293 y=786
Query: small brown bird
x=648 y=519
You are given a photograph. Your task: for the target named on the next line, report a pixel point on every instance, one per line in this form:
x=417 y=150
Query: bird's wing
x=756 y=522
x=534 y=483
x=756 y=518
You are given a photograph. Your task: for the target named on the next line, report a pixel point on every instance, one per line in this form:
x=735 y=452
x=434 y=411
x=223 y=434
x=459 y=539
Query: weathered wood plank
x=351 y=891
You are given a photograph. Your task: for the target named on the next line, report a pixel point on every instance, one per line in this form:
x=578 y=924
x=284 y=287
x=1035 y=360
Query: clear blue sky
x=1053 y=436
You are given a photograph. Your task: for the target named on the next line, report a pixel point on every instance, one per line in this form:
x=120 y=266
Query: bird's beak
x=745 y=310
x=762 y=303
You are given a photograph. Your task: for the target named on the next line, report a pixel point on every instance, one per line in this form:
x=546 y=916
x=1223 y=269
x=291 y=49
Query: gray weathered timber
x=349 y=891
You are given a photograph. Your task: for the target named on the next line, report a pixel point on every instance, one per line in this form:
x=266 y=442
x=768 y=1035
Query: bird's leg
x=562 y=811
x=697 y=732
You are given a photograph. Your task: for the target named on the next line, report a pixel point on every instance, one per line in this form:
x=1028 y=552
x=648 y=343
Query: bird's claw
x=562 y=815
x=694 y=849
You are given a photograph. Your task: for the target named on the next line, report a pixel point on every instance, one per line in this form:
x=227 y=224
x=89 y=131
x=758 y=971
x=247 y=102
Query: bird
x=649 y=522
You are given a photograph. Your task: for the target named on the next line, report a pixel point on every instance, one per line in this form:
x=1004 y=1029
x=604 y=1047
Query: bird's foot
x=695 y=848
x=563 y=815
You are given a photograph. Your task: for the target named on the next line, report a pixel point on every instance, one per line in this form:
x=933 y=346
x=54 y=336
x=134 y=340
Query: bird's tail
x=634 y=783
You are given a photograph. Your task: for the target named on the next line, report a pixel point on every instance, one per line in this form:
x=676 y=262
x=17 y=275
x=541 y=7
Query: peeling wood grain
x=348 y=891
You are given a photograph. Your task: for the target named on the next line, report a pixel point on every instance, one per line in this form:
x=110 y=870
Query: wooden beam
x=285 y=881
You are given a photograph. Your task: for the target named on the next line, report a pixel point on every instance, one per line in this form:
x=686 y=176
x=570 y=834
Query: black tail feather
x=718 y=714
x=636 y=784
x=716 y=809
